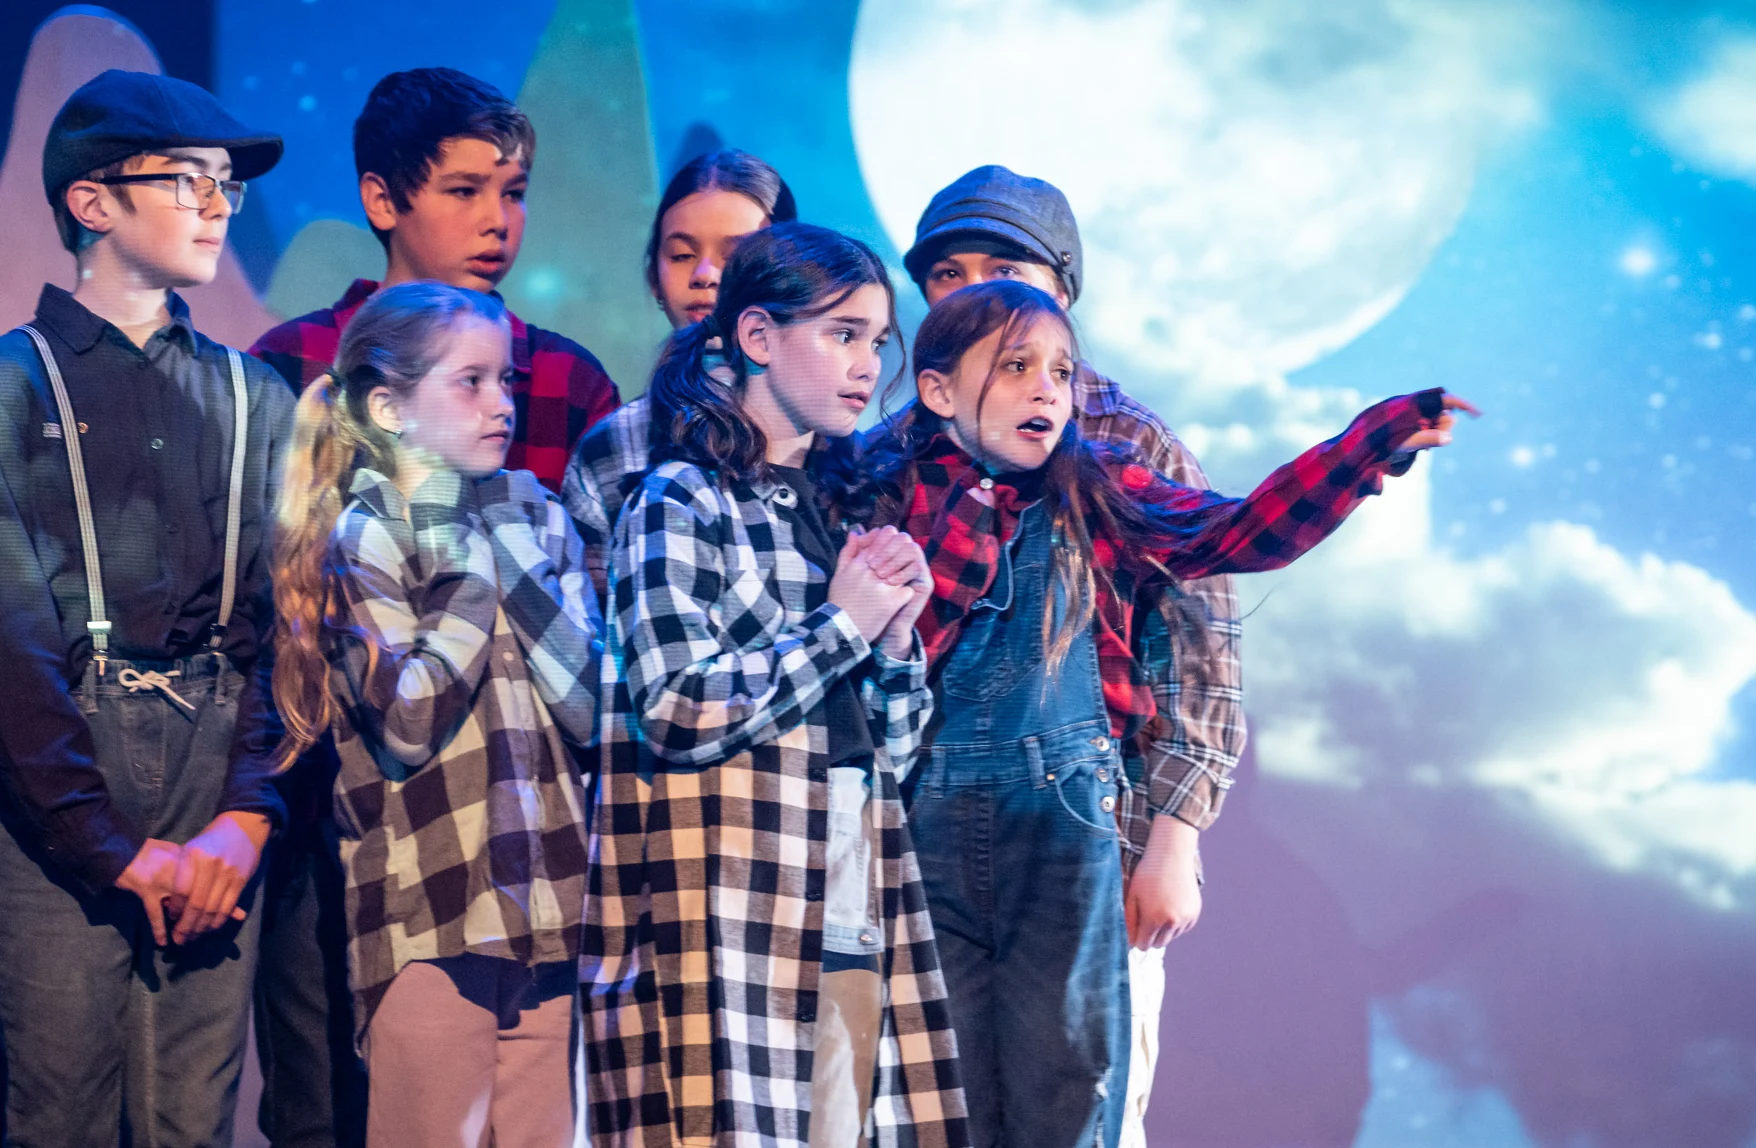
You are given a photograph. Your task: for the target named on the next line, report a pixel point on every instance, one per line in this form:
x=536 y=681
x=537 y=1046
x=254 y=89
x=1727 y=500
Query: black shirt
x=156 y=427
x=850 y=739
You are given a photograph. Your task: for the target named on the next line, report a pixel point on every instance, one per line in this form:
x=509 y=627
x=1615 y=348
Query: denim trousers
x=1013 y=816
x=109 y=1038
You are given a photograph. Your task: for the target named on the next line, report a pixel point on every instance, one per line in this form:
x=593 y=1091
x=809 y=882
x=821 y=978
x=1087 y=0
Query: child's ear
x=935 y=391
x=755 y=329
x=85 y=202
x=381 y=409
x=375 y=197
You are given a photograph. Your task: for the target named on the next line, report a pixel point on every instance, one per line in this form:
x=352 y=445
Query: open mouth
x=1036 y=426
x=856 y=399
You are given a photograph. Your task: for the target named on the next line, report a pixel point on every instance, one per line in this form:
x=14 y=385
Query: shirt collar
x=80 y=328
x=361 y=290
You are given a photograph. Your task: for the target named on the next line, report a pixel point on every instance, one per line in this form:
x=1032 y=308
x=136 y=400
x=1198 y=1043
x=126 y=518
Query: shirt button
x=807 y=1016
x=813 y=895
x=157 y=444
x=865 y=938
x=1108 y=805
x=1103 y=775
x=1100 y=743
x=1049 y=777
x=987 y=483
x=506 y=656
x=83 y=428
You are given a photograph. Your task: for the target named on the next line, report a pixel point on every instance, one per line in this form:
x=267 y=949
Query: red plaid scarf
x=962 y=526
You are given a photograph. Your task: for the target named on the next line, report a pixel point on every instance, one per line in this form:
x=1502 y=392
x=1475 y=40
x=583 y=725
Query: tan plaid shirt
x=468 y=653
x=1182 y=762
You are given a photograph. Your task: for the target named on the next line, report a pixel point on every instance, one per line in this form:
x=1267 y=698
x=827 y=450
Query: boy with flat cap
x=137 y=462
x=993 y=223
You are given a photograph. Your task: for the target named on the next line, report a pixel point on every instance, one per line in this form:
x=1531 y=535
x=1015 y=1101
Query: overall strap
x=98 y=625
x=235 y=497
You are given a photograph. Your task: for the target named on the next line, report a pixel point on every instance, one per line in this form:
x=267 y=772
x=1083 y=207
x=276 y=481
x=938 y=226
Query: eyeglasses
x=193 y=191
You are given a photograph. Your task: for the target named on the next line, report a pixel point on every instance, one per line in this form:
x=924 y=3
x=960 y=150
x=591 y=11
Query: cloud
x=1710 y=119
x=1587 y=691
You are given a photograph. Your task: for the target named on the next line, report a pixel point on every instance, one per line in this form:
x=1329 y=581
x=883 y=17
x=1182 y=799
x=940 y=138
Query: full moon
x=1256 y=183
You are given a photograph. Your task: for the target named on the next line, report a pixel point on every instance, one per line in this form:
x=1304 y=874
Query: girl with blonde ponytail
x=435 y=617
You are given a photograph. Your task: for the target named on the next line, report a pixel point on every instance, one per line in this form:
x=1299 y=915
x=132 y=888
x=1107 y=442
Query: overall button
x=1108 y=805
x=1103 y=775
x=83 y=428
x=157 y=444
x=987 y=483
x=1100 y=743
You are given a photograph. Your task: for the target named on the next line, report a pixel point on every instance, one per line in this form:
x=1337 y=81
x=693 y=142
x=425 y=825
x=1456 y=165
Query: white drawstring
x=135 y=681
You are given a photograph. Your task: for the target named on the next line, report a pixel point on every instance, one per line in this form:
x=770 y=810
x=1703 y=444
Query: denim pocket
x=1085 y=788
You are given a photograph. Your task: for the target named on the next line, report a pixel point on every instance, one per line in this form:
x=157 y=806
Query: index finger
x=1453 y=402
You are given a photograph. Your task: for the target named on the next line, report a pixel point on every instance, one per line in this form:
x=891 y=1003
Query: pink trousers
x=466 y=1048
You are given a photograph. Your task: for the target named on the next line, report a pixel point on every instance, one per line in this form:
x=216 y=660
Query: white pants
x=1146 y=993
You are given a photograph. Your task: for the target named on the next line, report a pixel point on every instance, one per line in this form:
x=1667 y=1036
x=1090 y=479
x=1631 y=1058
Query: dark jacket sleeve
x=46 y=747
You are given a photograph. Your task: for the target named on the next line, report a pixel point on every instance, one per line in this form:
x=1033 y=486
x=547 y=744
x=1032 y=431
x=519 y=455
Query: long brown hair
x=1078 y=481
x=793 y=271
x=392 y=341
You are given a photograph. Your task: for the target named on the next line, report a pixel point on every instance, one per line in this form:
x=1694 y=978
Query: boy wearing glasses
x=137 y=459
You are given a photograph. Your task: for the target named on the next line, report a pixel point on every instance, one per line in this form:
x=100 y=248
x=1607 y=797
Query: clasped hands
x=196 y=886
x=883 y=583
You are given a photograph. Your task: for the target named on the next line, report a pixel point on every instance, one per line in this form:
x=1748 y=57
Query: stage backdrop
x=1487 y=878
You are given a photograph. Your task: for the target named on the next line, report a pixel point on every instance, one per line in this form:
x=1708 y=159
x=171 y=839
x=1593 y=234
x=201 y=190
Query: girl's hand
x=867 y=598
x=1163 y=899
x=1439 y=434
x=909 y=568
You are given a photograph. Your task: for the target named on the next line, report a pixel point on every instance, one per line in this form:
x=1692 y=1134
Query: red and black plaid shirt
x=962 y=526
x=559 y=388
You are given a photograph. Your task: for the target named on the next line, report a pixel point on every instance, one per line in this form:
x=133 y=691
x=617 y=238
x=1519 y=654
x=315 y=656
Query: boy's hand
x=215 y=867
x=1164 y=899
x=152 y=877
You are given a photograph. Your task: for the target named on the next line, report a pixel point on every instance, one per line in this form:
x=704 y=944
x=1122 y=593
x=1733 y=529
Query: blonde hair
x=392 y=341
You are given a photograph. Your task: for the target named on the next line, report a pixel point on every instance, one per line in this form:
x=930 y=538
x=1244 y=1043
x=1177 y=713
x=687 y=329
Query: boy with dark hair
x=443 y=161
x=992 y=223
x=137 y=467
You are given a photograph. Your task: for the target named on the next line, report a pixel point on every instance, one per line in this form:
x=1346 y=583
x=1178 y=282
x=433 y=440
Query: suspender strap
x=235 y=498
x=99 y=625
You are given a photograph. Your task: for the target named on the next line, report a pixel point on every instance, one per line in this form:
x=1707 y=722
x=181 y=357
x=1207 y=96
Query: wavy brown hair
x=392 y=341
x=794 y=272
x=1078 y=482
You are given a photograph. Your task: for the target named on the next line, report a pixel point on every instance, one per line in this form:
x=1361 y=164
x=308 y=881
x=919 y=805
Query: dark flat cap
x=120 y=114
x=996 y=203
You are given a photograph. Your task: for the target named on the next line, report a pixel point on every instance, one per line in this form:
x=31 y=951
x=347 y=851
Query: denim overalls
x=1013 y=816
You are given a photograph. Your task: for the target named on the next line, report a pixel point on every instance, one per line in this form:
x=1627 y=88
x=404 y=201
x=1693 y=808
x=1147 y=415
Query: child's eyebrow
x=178 y=155
x=851 y=320
x=476 y=177
x=683 y=235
